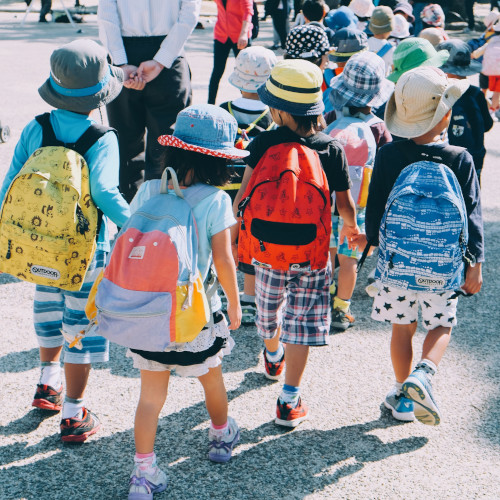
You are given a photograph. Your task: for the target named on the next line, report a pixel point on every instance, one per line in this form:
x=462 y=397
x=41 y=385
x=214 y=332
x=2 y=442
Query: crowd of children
x=336 y=149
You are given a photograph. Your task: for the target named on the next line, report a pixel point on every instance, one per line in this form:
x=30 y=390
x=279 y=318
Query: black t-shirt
x=330 y=152
x=392 y=158
x=245 y=117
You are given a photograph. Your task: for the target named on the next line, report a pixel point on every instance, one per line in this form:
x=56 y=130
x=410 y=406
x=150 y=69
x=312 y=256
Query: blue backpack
x=423 y=233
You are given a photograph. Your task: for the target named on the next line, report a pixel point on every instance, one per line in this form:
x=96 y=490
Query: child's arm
x=347 y=210
x=473 y=279
x=226 y=273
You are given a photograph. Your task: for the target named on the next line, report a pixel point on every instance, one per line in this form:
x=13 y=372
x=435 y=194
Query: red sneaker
x=77 y=430
x=288 y=416
x=274 y=370
x=48 y=398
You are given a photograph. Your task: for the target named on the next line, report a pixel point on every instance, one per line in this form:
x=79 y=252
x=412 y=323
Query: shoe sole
x=272 y=377
x=43 y=404
x=219 y=458
x=147 y=496
x=80 y=438
x=403 y=417
x=426 y=412
x=290 y=423
x=341 y=326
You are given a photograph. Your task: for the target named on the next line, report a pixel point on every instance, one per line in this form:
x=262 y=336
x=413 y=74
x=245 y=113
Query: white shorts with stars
x=399 y=306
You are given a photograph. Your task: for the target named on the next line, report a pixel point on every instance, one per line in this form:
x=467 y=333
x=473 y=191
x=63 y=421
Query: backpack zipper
x=128 y=315
x=9 y=246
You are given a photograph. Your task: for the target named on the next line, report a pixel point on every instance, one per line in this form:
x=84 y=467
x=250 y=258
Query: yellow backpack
x=48 y=221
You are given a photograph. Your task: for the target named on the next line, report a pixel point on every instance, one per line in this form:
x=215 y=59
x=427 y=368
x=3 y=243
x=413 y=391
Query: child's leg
x=295 y=360
x=402 y=350
x=249 y=285
x=435 y=344
x=154 y=387
x=247 y=299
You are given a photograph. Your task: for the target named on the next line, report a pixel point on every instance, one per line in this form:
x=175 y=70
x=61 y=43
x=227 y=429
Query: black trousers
x=153 y=109
x=45 y=8
x=469 y=11
x=221 y=53
x=280 y=17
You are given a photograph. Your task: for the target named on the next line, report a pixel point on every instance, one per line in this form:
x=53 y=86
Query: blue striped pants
x=56 y=310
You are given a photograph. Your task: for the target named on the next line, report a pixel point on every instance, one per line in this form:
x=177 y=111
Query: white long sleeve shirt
x=174 y=19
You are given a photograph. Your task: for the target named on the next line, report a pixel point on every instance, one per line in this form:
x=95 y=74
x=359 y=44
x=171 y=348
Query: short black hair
x=207 y=169
x=315 y=60
x=313 y=10
x=306 y=123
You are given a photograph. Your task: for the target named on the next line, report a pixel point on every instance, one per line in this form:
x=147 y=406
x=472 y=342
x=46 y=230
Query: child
x=313 y=12
x=381 y=25
x=252 y=68
x=343 y=17
x=420 y=110
x=470 y=117
x=199 y=150
x=432 y=35
x=294 y=304
x=406 y=10
x=81 y=81
x=401 y=30
x=363 y=10
x=361 y=86
x=433 y=17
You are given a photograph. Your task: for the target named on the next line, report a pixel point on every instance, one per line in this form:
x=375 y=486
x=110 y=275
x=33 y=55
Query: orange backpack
x=285 y=211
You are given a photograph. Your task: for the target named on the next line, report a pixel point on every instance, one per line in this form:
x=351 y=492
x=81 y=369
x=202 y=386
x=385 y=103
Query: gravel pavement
x=349 y=448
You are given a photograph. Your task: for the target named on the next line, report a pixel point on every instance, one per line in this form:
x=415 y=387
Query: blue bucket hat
x=347 y=42
x=343 y=17
x=362 y=83
x=205 y=129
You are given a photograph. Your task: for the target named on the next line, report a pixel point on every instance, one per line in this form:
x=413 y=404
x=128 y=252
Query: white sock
x=146 y=463
x=219 y=430
x=50 y=374
x=398 y=386
x=275 y=356
x=72 y=408
x=429 y=366
x=247 y=298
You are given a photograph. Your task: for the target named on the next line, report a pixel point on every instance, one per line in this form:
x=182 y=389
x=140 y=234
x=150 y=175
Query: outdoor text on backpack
x=285 y=211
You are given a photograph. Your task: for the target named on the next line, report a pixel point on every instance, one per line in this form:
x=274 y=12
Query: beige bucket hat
x=421 y=99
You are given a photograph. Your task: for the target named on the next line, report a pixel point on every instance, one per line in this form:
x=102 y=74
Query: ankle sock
x=72 y=408
x=333 y=288
x=290 y=395
x=247 y=298
x=145 y=462
x=341 y=304
x=398 y=386
x=428 y=367
x=274 y=357
x=50 y=374
x=219 y=430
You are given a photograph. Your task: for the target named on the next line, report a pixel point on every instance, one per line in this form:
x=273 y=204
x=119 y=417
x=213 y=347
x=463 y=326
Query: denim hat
x=347 y=42
x=421 y=99
x=205 y=129
x=405 y=8
x=362 y=83
x=343 y=17
x=295 y=87
x=459 y=63
x=433 y=15
x=362 y=8
x=252 y=67
x=414 y=52
x=382 y=21
x=401 y=27
x=307 y=40
x=81 y=78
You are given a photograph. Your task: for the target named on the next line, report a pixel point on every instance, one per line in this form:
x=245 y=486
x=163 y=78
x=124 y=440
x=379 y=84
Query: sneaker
x=48 y=398
x=248 y=313
x=273 y=371
x=289 y=416
x=401 y=407
x=77 y=430
x=221 y=448
x=342 y=320
x=142 y=485
x=418 y=388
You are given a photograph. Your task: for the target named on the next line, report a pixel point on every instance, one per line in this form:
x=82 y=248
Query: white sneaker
x=401 y=407
x=221 y=448
x=142 y=485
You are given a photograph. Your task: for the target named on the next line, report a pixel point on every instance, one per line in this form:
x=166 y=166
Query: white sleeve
x=108 y=20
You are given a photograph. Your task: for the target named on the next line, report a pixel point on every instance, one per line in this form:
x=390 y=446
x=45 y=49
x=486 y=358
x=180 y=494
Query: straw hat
x=423 y=96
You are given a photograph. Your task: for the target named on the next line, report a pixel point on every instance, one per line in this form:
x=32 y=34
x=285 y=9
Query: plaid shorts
x=400 y=307
x=298 y=301
x=337 y=224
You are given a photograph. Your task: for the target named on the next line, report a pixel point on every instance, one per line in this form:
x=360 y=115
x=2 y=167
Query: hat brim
x=403 y=128
x=87 y=103
x=228 y=153
x=250 y=85
x=341 y=95
x=472 y=69
x=437 y=61
x=294 y=108
x=336 y=57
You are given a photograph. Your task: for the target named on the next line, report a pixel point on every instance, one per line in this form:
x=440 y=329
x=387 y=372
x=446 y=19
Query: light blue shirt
x=102 y=159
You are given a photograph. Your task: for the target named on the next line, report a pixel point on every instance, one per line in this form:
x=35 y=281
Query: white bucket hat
x=252 y=67
x=362 y=8
x=401 y=27
x=420 y=101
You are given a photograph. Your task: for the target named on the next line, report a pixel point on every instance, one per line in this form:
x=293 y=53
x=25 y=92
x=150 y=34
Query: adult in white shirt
x=147 y=40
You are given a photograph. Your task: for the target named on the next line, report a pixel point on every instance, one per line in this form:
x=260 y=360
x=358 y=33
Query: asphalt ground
x=349 y=448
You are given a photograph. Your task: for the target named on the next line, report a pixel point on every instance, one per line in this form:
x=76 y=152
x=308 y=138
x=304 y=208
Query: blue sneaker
x=418 y=388
x=221 y=448
x=401 y=407
x=142 y=485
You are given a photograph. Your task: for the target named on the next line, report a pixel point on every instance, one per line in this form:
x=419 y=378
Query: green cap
x=414 y=52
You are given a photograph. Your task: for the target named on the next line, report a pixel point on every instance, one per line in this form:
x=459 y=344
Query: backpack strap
x=384 y=49
x=253 y=124
x=48 y=135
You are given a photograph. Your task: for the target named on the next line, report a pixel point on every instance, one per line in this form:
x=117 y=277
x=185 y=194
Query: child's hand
x=359 y=243
x=234 y=314
x=473 y=279
x=495 y=100
x=348 y=232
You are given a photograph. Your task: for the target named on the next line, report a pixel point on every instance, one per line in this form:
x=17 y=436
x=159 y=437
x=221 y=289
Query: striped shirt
x=174 y=19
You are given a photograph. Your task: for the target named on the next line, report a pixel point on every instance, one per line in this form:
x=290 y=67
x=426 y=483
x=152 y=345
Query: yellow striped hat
x=294 y=86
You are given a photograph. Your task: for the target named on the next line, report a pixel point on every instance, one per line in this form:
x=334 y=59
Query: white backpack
x=491 y=59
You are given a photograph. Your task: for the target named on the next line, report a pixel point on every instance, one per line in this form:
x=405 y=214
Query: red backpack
x=285 y=211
